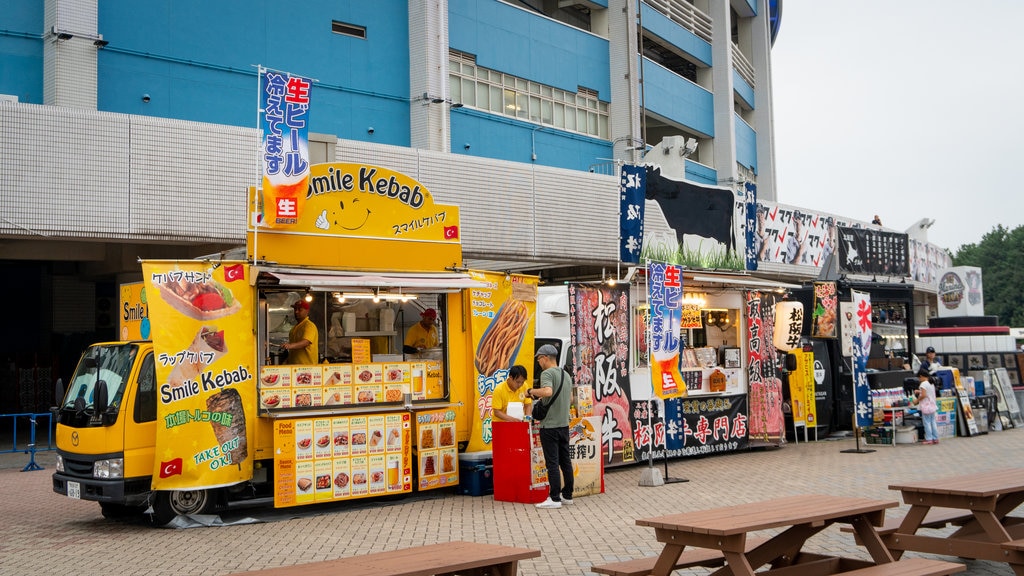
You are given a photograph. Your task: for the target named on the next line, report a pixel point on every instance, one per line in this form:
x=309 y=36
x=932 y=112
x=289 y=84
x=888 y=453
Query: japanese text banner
x=665 y=297
x=861 y=351
x=206 y=395
x=599 y=336
x=284 y=118
x=502 y=329
x=631 y=212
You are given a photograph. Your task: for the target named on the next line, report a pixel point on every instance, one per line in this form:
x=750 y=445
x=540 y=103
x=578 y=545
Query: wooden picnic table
x=984 y=501
x=463 y=558
x=800 y=517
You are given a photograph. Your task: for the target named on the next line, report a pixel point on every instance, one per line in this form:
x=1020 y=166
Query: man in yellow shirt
x=304 y=339
x=422 y=334
x=511 y=390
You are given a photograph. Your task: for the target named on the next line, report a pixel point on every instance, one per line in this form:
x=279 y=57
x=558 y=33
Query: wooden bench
x=463 y=558
x=1015 y=545
x=936 y=518
x=692 y=558
x=910 y=567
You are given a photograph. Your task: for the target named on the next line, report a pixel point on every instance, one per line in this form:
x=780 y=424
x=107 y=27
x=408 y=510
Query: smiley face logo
x=351 y=217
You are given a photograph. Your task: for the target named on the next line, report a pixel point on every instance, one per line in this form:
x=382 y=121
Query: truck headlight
x=60 y=463
x=110 y=468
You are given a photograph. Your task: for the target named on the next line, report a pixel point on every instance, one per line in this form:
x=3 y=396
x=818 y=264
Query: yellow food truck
x=210 y=408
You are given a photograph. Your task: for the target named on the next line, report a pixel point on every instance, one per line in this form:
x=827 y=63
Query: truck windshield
x=109 y=363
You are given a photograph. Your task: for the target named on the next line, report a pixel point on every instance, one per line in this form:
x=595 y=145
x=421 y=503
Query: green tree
x=1000 y=255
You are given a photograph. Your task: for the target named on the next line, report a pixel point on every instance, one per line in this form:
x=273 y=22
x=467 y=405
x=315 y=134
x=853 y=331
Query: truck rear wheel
x=168 y=504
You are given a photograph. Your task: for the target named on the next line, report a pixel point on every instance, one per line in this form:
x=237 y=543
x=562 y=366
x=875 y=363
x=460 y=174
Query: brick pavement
x=44 y=533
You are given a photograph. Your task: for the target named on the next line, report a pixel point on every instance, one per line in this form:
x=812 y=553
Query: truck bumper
x=126 y=491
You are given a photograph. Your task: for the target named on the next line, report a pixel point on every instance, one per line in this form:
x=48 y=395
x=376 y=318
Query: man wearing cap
x=556 y=390
x=930 y=363
x=422 y=334
x=303 y=339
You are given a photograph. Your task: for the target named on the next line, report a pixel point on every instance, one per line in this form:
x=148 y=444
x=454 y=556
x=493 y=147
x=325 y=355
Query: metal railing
x=686 y=15
x=31 y=440
x=742 y=65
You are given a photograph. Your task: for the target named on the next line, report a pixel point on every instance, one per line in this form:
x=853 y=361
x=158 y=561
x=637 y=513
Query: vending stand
x=208 y=410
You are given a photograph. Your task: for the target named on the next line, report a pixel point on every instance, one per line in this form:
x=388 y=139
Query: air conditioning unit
x=8 y=98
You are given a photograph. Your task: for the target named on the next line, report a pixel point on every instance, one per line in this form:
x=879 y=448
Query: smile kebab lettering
x=390 y=187
x=208 y=382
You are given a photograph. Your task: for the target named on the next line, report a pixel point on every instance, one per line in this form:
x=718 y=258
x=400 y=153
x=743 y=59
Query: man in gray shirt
x=556 y=389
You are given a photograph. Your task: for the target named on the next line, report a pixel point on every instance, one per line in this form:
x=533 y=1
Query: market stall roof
x=338 y=279
x=736 y=279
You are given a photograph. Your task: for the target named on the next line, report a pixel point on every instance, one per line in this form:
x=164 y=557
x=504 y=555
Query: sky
x=907 y=109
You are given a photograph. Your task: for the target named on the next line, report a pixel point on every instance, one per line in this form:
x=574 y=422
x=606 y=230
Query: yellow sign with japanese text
x=501 y=328
x=202 y=332
x=361 y=216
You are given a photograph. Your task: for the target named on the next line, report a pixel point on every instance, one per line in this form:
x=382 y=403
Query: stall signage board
x=945 y=418
x=341 y=457
x=585 y=452
x=966 y=414
x=133 y=312
x=437 y=449
x=1007 y=400
x=359 y=216
x=501 y=326
x=599 y=324
x=201 y=316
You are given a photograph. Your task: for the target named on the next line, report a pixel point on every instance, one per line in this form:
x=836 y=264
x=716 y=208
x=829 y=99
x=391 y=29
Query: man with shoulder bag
x=552 y=400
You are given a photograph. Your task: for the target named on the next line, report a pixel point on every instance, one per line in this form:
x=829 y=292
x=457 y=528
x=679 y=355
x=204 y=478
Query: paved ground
x=44 y=533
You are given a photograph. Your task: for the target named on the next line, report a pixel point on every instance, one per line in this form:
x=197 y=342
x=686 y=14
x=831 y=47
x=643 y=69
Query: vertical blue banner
x=284 y=119
x=753 y=235
x=632 y=186
x=861 y=351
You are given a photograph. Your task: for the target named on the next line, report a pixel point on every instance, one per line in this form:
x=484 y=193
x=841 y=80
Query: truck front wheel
x=168 y=504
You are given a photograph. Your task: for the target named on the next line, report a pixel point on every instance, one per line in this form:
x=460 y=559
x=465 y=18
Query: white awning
x=341 y=280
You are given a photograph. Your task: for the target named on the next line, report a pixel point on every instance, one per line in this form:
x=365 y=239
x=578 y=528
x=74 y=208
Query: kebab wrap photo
x=201 y=301
x=207 y=347
x=229 y=401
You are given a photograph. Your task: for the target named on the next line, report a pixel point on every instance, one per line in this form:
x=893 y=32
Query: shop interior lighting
x=717 y=317
x=698 y=299
x=376 y=296
x=309 y=295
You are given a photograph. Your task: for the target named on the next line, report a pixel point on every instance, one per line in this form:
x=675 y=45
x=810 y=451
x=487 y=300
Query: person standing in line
x=303 y=339
x=556 y=387
x=925 y=402
x=509 y=391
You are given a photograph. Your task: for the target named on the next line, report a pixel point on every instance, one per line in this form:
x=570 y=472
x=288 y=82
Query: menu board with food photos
x=339 y=458
x=334 y=385
x=437 y=449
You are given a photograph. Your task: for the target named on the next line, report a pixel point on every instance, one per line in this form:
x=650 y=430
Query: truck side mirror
x=58 y=393
x=100 y=399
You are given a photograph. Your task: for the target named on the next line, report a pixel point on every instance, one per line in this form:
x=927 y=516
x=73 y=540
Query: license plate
x=74 y=490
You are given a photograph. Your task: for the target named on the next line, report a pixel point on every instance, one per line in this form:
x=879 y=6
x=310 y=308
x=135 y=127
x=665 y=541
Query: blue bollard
x=32 y=449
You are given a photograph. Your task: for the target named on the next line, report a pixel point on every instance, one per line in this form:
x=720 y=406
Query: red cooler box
x=510 y=447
